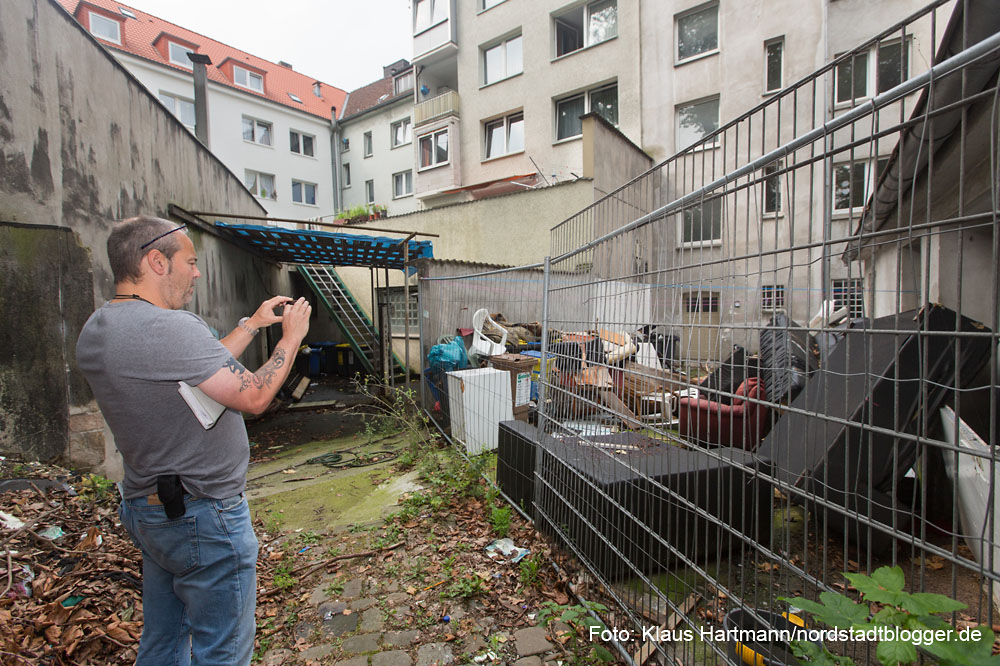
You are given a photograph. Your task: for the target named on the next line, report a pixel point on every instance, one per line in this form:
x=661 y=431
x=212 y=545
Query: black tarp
x=787 y=358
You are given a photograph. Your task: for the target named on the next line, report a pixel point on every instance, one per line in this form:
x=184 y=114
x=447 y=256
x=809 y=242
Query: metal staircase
x=352 y=321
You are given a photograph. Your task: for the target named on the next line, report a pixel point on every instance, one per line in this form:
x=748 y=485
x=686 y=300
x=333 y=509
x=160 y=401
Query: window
x=256 y=131
x=126 y=12
x=774 y=52
x=369 y=191
x=852 y=78
x=303 y=193
x=105 y=28
x=603 y=101
x=772 y=188
x=428 y=13
x=398 y=312
x=893 y=65
x=850 y=294
x=317 y=89
x=697 y=32
x=301 y=143
x=852 y=183
x=702 y=223
x=402 y=83
x=260 y=184
x=179 y=54
x=248 y=79
x=347 y=145
x=401 y=132
x=696 y=121
x=402 y=184
x=701 y=301
x=486 y=4
x=295 y=98
x=182 y=108
x=434 y=149
x=347 y=175
x=772 y=297
x=368 y=144
x=505 y=135
x=585 y=26
x=502 y=60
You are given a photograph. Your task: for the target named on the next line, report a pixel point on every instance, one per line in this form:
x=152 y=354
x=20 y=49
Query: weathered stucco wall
x=82 y=144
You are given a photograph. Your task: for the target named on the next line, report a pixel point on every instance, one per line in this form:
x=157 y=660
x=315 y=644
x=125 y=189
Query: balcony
x=435 y=108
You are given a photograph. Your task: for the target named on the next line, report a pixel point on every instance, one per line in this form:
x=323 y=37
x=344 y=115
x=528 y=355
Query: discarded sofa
x=740 y=423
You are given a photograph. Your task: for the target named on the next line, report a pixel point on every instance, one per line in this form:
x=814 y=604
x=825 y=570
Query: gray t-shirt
x=133 y=354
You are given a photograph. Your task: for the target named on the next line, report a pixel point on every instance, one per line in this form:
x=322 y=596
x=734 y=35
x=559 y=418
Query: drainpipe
x=199 y=60
x=335 y=159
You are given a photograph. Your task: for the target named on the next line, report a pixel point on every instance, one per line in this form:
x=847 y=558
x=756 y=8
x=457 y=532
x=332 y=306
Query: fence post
x=542 y=375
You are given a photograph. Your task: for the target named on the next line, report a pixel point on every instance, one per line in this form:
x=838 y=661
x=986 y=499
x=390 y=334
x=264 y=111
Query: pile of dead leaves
x=71 y=579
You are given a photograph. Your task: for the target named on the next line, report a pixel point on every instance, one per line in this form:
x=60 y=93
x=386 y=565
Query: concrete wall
x=84 y=144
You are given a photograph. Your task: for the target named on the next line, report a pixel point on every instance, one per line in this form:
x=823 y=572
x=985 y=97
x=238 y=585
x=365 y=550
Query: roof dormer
x=243 y=74
x=106 y=25
x=174 y=49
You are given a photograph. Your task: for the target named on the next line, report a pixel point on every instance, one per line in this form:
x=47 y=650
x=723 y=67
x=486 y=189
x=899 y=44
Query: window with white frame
x=428 y=13
x=434 y=149
x=402 y=184
x=367 y=140
x=850 y=294
x=486 y=4
x=402 y=83
x=347 y=175
x=260 y=184
x=178 y=54
x=774 y=56
x=247 y=79
x=346 y=145
x=182 y=108
x=502 y=60
x=697 y=32
x=256 y=131
x=881 y=68
x=603 y=101
x=585 y=25
x=772 y=297
x=505 y=135
x=695 y=121
x=401 y=132
x=701 y=302
x=369 y=192
x=702 y=223
x=301 y=143
x=105 y=28
x=304 y=193
x=852 y=183
x=772 y=188
x=395 y=297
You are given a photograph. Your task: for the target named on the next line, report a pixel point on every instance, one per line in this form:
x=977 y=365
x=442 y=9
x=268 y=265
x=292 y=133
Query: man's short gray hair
x=125 y=251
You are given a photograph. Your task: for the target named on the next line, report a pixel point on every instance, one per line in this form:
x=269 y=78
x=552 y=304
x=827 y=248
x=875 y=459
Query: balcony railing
x=436 y=107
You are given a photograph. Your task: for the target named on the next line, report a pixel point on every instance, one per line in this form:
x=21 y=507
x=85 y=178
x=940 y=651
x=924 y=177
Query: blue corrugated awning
x=300 y=246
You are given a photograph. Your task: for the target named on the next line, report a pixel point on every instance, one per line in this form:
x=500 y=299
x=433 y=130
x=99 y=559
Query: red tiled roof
x=373 y=94
x=142 y=35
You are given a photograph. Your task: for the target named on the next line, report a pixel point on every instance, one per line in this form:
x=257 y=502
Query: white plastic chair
x=481 y=345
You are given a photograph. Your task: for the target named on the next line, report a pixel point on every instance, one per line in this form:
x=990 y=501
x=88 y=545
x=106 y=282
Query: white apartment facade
x=270 y=125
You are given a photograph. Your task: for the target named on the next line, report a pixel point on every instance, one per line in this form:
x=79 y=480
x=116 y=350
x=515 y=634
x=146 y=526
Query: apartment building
x=375 y=135
x=271 y=125
x=501 y=86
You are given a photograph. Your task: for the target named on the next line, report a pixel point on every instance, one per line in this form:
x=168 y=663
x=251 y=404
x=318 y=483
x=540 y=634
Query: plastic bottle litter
x=505 y=548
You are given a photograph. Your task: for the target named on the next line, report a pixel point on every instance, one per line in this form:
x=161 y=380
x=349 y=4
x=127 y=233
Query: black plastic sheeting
x=873 y=379
x=787 y=358
x=730 y=374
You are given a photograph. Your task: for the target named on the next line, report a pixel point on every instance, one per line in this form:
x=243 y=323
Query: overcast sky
x=341 y=42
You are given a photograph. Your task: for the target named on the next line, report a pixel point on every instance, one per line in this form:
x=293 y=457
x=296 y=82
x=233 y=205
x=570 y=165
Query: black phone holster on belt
x=171 y=493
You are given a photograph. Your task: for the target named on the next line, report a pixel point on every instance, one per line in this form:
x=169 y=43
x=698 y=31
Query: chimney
x=286 y=65
x=199 y=60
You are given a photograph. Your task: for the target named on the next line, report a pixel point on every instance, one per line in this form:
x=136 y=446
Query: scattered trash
x=11 y=522
x=506 y=549
x=483 y=657
x=69 y=602
x=22 y=588
x=446 y=618
x=51 y=533
x=303 y=550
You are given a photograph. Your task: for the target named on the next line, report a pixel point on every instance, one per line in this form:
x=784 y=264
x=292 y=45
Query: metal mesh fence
x=773 y=359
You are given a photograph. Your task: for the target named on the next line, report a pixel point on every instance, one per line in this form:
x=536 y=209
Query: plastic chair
x=481 y=345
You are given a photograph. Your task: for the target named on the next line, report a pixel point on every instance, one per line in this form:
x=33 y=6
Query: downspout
x=825 y=288
x=338 y=195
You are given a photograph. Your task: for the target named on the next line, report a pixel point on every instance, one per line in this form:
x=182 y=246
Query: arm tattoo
x=263 y=377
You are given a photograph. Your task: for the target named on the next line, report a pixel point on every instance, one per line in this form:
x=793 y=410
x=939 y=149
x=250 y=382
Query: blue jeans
x=199 y=581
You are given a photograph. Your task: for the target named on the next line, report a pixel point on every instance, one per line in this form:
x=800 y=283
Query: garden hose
x=351 y=459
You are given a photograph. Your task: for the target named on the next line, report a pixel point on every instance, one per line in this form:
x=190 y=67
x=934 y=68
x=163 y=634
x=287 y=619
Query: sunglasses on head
x=165 y=233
